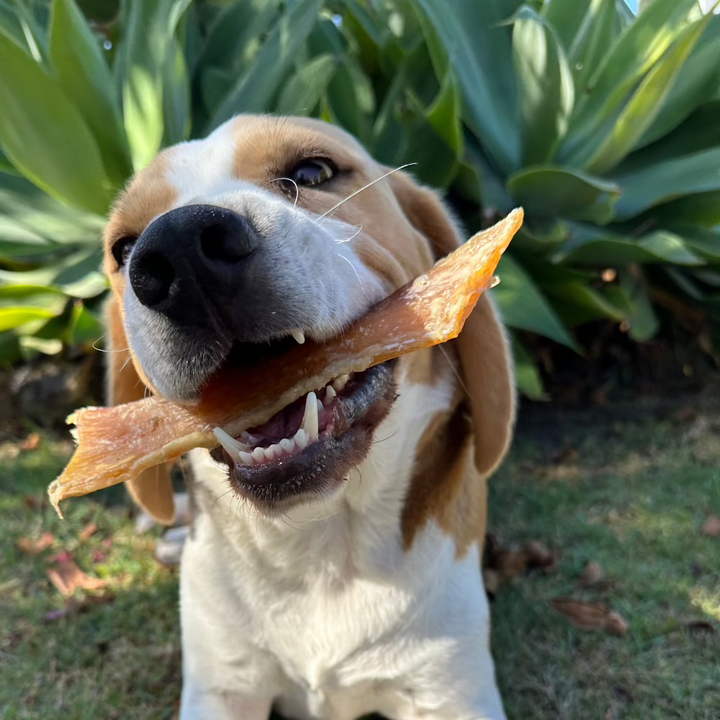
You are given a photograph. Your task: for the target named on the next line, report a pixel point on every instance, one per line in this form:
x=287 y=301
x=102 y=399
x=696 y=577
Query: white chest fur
x=323 y=609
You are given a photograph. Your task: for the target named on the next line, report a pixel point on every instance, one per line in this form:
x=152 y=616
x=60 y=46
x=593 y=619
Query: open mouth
x=309 y=447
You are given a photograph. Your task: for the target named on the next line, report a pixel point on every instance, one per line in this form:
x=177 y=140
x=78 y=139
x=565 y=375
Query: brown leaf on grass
x=33 y=547
x=711 y=526
x=31 y=442
x=76 y=605
x=700 y=626
x=590 y=616
x=90 y=529
x=592 y=575
x=67 y=577
x=32 y=502
x=492 y=581
x=538 y=556
x=512 y=562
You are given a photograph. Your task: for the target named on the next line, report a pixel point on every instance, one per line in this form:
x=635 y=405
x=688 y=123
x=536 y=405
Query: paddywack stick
x=115 y=444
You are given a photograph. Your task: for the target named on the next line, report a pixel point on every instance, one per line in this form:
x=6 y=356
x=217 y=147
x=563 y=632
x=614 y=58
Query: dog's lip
x=316 y=468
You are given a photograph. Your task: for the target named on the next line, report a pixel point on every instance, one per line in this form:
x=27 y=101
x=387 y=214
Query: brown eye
x=312 y=172
x=121 y=250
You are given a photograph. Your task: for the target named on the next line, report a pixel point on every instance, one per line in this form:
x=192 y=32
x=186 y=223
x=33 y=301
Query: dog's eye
x=312 y=172
x=122 y=248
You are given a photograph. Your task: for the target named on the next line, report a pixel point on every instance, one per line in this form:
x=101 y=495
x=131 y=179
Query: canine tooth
x=340 y=382
x=301 y=439
x=299 y=335
x=310 y=419
x=247 y=438
x=258 y=454
x=330 y=394
x=247 y=459
x=287 y=445
x=320 y=406
x=231 y=445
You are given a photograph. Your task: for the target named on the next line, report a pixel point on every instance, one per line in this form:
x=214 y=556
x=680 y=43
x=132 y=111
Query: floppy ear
x=152 y=490
x=483 y=346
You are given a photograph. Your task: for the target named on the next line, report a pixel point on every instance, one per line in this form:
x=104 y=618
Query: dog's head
x=229 y=248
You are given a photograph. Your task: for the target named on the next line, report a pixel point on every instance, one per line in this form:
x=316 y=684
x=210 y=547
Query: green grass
x=630 y=496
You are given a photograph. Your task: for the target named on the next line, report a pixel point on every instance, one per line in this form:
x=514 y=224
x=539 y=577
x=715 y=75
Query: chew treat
x=117 y=443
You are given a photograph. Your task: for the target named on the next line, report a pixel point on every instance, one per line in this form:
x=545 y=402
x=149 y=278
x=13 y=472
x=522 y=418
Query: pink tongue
x=283 y=424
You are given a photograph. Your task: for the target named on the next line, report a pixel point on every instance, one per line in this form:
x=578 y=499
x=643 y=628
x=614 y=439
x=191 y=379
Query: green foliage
x=603 y=125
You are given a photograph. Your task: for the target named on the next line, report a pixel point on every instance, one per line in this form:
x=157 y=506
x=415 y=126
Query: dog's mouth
x=309 y=447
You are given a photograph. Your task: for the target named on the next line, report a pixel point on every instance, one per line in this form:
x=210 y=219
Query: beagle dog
x=333 y=566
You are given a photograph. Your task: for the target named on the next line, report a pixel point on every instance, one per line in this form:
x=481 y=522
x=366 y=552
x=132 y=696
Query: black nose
x=187 y=259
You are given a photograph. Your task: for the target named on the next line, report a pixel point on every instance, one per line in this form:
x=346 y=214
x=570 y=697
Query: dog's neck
x=358 y=533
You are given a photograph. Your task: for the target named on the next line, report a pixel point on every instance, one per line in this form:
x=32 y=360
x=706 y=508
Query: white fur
x=323 y=611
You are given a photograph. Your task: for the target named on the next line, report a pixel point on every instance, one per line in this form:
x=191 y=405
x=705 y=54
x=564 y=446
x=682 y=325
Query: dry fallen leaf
x=591 y=575
x=590 y=616
x=31 y=442
x=492 y=581
x=512 y=562
x=711 y=526
x=67 y=577
x=700 y=626
x=33 y=547
x=89 y=530
x=540 y=557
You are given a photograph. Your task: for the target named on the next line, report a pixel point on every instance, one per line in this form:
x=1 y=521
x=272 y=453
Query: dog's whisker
x=365 y=187
x=352 y=237
x=297 y=189
x=454 y=369
x=357 y=275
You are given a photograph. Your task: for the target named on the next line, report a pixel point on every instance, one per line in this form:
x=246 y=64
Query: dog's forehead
x=247 y=148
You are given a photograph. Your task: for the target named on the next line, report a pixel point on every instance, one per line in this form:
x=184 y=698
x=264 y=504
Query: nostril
x=151 y=278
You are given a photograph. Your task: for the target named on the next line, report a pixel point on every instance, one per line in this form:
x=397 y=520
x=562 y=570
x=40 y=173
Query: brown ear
x=483 y=346
x=152 y=490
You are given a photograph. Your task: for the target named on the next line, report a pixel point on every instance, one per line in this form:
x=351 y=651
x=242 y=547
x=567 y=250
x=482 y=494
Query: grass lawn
x=629 y=495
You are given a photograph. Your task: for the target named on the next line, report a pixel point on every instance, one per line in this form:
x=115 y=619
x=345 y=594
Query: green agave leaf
x=701 y=209
x=31 y=344
x=33 y=22
x=234 y=39
x=256 y=87
x=693 y=85
x=44 y=135
x=539 y=235
x=632 y=294
x=566 y=16
x=16 y=316
x=593 y=38
x=479 y=50
x=549 y=191
x=85 y=327
x=686 y=285
x=657 y=247
x=646 y=101
x=527 y=375
x=85 y=78
x=149 y=28
x=634 y=52
x=445 y=115
x=545 y=86
x=10 y=25
x=665 y=181
x=704 y=243
x=523 y=306
x=176 y=96
x=9 y=348
x=303 y=91
x=31 y=210
x=16 y=241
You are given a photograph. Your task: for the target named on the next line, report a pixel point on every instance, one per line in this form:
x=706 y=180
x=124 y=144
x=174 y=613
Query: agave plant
x=602 y=124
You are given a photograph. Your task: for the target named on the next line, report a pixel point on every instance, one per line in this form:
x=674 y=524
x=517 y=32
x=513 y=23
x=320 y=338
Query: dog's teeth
x=231 y=445
x=320 y=406
x=248 y=439
x=247 y=459
x=299 y=335
x=301 y=439
x=272 y=452
x=330 y=394
x=340 y=382
x=287 y=445
x=310 y=419
x=258 y=455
